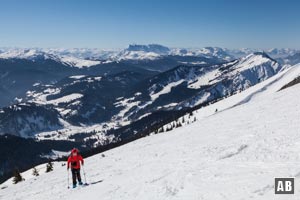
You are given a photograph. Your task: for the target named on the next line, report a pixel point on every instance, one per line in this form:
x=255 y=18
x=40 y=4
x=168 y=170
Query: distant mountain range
x=89 y=103
x=85 y=57
x=51 y=65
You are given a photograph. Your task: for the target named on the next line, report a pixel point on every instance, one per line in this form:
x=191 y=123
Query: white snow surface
x=135 y=55
x=65 y=99
x=205 y=79
x=166 y=89
x=41 y=98
x=77 y=76
x=253 y=60
x=234 y=154
x=78 y=62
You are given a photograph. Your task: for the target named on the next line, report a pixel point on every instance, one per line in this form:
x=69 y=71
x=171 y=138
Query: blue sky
x=117 y=23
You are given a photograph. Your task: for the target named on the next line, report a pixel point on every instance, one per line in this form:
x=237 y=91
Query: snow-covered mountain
x=155 y=48
x=206 y=52
x=276 y=53
x=113 y=101
x=281 y=53
x=187 y=86
x=134 y=52
x=25 y=119
x=36 y=54
x=16 y=66
x=155 y=52
x=49 y=66
x=228 y=153
x=291 y=59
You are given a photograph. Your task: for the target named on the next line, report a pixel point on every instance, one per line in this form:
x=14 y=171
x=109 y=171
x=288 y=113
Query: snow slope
x=234 y=153
x=78 y=62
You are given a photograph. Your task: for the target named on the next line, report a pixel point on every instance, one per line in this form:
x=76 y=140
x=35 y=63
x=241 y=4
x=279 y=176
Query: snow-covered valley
x=233 y=151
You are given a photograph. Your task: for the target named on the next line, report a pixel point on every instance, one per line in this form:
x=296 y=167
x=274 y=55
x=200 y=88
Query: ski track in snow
x=233 y=154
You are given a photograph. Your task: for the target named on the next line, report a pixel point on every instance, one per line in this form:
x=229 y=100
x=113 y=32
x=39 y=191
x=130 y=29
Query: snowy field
x=233 y=154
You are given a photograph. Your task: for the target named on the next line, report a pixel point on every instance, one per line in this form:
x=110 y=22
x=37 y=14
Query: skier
x=74 y=160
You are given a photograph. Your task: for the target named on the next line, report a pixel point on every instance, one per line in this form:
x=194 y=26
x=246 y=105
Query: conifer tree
x=17 y=177
x=179 y=124
x=49 y=167
x=35 y=172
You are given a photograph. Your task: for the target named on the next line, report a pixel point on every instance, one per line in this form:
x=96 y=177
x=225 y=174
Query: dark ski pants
x=76 y=175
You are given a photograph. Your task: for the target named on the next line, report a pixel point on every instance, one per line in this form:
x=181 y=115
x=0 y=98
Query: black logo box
x=284 y=182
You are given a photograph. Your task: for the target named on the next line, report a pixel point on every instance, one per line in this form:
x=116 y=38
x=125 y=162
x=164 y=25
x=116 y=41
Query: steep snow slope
x=234 y=153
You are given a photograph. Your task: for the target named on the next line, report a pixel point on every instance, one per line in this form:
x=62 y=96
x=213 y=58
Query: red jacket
x=74 y=161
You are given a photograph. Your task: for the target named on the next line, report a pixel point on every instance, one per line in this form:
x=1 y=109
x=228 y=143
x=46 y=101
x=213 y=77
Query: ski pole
x=68 y=179
x=84 y=175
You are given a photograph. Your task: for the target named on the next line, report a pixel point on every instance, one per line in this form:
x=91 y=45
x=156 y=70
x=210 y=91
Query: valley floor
x=234 y=153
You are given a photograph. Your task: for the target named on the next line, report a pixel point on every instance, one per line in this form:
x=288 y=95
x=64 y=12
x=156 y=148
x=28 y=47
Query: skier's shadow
x=95 y=182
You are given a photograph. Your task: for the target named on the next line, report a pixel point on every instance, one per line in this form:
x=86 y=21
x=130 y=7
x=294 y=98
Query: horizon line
x=170 y=47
